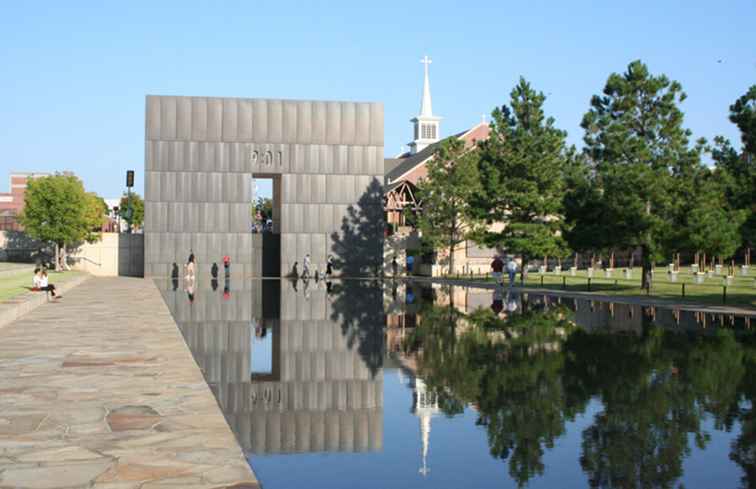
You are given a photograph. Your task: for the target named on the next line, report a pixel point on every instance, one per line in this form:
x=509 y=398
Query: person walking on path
x=497 y=267
x=395 y=267
x=306 y=266
x=511 y=270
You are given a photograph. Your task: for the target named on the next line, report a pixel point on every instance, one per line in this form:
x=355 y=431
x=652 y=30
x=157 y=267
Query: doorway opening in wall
x=265 y=210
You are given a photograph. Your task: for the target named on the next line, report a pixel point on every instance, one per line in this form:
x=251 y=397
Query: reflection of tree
x=510 y=370
x=744 y=448
x=358 y=247
x=531 y=374
x=358 y=306
x=358 y=252
x=656 y=390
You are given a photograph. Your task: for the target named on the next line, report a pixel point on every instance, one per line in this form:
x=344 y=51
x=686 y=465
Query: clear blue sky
x=74 y=76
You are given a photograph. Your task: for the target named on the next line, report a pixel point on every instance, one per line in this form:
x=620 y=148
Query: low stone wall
x=25 y=303
x=116 y=254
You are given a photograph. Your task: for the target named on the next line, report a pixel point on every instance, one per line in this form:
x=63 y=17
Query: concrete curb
x=25 y=303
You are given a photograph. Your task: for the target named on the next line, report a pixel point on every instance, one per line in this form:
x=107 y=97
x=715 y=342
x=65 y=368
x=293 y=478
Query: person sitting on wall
x=36 y=280
x=46 y=286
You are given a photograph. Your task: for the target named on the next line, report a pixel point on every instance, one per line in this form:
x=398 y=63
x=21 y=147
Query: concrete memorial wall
x=326 y=159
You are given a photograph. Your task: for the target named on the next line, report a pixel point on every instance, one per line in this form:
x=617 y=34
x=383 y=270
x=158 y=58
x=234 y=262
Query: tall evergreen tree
x=711 y=226
x=445 y=194
x=743 y=115
x=741 y=167
x=634 y=134
x=522 y=167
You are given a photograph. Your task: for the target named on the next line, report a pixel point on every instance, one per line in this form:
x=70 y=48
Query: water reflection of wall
x=321 y=396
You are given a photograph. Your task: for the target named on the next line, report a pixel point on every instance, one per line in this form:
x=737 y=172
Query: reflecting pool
x=387 y=384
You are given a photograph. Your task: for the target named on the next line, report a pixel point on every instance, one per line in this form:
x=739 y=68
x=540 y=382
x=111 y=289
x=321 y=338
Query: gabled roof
x=406 y=164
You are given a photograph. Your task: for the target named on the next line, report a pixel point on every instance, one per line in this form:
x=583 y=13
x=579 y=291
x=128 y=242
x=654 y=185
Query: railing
x=664 y=287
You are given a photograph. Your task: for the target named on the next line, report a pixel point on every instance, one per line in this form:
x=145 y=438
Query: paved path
x=100 y=391
x=625 y=299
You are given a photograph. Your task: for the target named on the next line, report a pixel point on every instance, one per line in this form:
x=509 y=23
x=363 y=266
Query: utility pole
x=129 y=207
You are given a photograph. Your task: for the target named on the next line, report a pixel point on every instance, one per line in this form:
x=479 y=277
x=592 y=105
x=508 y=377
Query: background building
x=402 y=174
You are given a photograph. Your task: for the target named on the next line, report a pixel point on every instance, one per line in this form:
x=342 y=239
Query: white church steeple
x=426 y=126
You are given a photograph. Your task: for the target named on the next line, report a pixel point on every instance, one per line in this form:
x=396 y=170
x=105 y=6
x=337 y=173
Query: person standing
x=306 y=266
x=497 y=267
x=190 y=267
x=511 y=270
x=395 y=266
x=329 y=266
x=410 y=264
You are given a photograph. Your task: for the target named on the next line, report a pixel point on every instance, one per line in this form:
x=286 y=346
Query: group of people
x=307 y=268
x=190 y=273
x=40 y=282
x=497 y=270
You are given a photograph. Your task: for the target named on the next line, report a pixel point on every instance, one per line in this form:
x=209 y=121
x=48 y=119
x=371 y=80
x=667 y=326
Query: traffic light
x=130 y=178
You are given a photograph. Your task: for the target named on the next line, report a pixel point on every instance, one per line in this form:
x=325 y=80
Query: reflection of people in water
x=293 y=281
x=328 y=286
x=260 y=330
x=511 y=302
x=306 y=288
x=409 y=296
x=497 y=303
x=214 y=284
x=189 y=284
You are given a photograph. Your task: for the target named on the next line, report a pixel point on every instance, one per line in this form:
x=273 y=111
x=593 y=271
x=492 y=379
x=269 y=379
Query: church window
x=429 y=131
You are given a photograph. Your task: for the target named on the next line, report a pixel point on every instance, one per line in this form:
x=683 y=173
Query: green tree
x=585 y=225
x=264 y=206
x=96 y=212
x=523 y=164
x=711 y=226
x=137 y=213
x=741 y=167
x=58 y=210
x=445 y=195
x=634 y=135
x=743 y=115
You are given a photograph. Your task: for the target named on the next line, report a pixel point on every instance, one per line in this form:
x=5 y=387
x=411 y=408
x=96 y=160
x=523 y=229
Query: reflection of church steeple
x=425 y=405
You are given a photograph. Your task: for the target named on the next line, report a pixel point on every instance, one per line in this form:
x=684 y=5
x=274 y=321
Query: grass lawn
x=18 y=284
x=741 y=292
x=8 y=266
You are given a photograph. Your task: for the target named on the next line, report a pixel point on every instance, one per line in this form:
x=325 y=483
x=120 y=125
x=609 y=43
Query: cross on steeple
x=426 y=125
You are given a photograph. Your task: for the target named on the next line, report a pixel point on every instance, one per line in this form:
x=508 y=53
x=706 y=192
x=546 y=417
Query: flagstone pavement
x=100 y=391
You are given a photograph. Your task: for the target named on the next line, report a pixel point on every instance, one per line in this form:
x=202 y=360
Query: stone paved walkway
x=100 y=391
